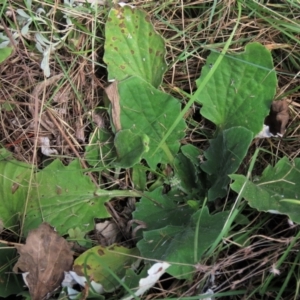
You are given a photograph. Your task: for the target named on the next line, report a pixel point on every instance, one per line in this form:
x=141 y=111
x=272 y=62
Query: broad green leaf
x=10 y=283
x=100 y=264
x=100 y=151
x=5 y=53
x=146 y=110
x=130 y=147
x=139 y=177
x=64 y=197
x=240 y=92
x=158 y=210
x=271 y=192
x=132 y=47
x=224 y=156
x=14 y=178
x=184 y=245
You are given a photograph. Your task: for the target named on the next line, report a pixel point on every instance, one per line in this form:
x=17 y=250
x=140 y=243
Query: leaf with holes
x=276 y=191
x=132 y=47
x=241 y=90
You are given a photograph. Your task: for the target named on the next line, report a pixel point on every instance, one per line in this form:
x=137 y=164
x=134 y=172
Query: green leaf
x=99 y=264
x=10 y=283
x=187 y=174
x=139 y=177
x=192 y=153
x=132 y=47
x=130 y=147
x=224 y=156
x=5 y=53
x=132 y=279
x=14 y=178
x=79 y=236
x=100 y=151
x=157 y=210
x=148 y=111
x=240 y=92
x=184 y=245
x=65 y=198
x=271 y=192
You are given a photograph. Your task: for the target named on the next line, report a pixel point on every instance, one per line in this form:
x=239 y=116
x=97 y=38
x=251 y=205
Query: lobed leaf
x=65 y=198
x=274 y=190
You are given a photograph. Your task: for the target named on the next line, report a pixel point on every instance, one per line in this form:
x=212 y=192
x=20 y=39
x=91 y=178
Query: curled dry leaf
x=113 y=96
x=44 y=258
x=278 y=117
x=108 y=232
x=45 y=146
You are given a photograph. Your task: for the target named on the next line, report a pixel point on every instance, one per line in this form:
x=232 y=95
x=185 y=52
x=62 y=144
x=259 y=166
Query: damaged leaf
x=278 y=117
x=114 y=98
x=132 y=47
x=44 y=258
x=101 y=265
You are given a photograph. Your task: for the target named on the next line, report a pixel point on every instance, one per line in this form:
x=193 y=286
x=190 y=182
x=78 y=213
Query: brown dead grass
x=66 y=107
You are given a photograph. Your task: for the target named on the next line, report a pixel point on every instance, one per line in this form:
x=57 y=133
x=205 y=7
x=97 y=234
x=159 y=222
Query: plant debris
x=43 y=259
x=278 y=117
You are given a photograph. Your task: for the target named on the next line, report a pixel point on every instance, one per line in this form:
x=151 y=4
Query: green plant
x=235 y=91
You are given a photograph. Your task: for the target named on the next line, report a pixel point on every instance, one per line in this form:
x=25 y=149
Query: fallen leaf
x=278 y=117
x=108 y=232
x=113 y=96
x=45 y=146
x=44 y=258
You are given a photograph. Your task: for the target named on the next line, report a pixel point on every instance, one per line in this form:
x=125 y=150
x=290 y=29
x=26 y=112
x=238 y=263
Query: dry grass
x=63 y=111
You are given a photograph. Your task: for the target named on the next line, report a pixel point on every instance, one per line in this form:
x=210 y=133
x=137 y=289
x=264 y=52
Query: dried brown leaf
x=278 y=117
x=107 y=232
x=114 y=98
x=45 y=257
